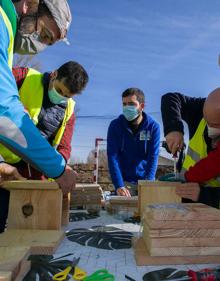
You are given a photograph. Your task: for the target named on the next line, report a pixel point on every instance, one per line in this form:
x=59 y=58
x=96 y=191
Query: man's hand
x=174 y=141
x=189 y=190
x=67 y=180
x=122 y=191
x=8 y=172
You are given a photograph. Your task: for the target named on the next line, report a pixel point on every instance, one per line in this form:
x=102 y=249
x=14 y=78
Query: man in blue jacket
x=132 y=144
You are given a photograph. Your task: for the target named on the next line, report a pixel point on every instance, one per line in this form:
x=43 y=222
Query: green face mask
x=55 y=97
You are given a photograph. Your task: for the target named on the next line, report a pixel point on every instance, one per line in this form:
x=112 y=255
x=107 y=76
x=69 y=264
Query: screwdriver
x=205 y=275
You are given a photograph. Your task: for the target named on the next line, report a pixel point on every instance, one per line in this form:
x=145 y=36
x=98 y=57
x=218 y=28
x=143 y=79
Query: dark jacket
x=132 y=157
x=176 y=108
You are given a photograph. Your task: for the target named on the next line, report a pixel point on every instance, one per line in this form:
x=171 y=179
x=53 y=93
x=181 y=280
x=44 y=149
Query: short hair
x=134 y=91
x=74 y=75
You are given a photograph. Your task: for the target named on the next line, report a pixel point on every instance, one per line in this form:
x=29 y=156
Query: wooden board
x=12 y=260
x=186 y=211
x=184 y=251
x=124 y=201
x=153 y=224
x=153 y=192
x=65 y=209
x=142 y=257
x=180 y=241
x=5 y=276
x=30 y=184
x=40 y=242
x=196 y=232
x=47 y=209
x=24 y=269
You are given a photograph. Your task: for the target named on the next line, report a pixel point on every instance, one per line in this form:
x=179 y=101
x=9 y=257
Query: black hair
x=134 y=91
x=74 y=75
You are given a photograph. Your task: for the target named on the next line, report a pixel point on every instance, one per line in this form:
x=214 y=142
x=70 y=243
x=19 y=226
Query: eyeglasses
x=32 y=23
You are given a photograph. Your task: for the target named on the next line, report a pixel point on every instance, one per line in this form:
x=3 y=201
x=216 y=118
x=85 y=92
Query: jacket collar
x=10 y=11
x=125 y=123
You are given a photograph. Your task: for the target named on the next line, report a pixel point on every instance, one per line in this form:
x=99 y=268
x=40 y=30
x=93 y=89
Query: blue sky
x=158 y=46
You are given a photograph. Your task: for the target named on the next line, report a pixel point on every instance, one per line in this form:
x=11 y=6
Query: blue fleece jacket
x=132 y=157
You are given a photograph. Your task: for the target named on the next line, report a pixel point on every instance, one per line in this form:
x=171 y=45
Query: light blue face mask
x=130 y=112
x=55 y=97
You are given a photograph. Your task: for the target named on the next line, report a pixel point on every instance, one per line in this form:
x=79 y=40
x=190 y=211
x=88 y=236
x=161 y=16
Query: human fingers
x=127 y=192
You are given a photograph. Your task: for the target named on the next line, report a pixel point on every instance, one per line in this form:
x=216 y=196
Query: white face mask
x=28 y=43
x=213 y=132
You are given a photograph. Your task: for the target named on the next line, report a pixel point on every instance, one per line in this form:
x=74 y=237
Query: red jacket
x=206 y=168
x=64 y=147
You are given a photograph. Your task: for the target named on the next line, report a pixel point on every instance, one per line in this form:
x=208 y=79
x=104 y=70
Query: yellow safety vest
x=197 y=150
x=31 y=95
x=11 y=37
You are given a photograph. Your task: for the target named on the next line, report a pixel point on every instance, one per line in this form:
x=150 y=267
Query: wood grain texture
x=190 y=232
x=184 y=251
x=142 y=257
x=12 y=259
x=30 y=184
x=40 y=242
x=47 y=209
x=25 y=266
x=160 y=242
x=5 y=276
x=153 y=192
x=153 y=224
x=187 y=212
x=86 y=194
x=124 y=201
x=65 y=209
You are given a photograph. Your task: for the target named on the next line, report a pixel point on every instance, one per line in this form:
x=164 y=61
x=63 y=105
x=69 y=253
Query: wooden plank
x=23 y=270
x=142 y=257
x=11 y=260
x=196 y=232
x=40 y=242
x=30 y=184
x=179 y=241
x=153 y=192
x=5 y=276
x=182 y=224
x=184 y=251
x=189 y=212
x=43 y=209
x=124 y=201
x=65 y=209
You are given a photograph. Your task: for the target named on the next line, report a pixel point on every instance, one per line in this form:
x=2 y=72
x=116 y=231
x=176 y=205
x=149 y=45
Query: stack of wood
x=88 y=196
x=181 y=233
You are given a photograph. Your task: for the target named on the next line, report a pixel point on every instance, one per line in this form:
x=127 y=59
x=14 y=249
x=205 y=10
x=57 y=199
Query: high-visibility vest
x=11 y=37
x=31 y=95
x=197 y=150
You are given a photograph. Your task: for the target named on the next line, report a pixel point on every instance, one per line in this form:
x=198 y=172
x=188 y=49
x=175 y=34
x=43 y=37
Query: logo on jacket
x=145 y=135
